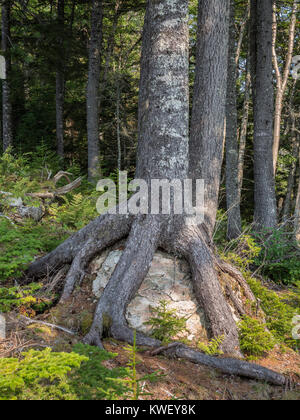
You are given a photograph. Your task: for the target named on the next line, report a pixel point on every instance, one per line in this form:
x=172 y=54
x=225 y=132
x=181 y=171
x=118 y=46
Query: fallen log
x=60 y=191
x=228 y=366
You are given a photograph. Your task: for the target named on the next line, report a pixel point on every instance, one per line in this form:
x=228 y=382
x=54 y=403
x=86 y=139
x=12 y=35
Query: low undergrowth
x=19 y=244
x=213 y=347
x=79 y=375
x=279 y=310
x=255 y=340
x=279 y=313
x=26 y=300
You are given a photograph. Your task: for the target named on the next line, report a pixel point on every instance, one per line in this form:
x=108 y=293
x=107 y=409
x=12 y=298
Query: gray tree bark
x=60 y=79
x=208 y=115
x=265 y=211
x=93 y=91
x=7 y=133
x=234 y=224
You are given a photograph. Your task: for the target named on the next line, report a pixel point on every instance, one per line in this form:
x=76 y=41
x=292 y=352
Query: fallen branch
x=57 y=327
x=6 y=217
x=60 y=175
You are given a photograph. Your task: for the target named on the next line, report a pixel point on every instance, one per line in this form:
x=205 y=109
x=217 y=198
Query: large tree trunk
x=162 y=154
x=234 y=225
x=265 y=211
x=6 y=90
x=93 y=91
x=208 y=116
x=60 y=79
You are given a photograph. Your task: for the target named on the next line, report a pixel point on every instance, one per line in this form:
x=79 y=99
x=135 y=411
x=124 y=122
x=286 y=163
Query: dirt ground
x=180 y=379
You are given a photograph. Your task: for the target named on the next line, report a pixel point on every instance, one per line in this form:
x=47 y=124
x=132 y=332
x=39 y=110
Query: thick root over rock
x=146 y=234
x=106 y=229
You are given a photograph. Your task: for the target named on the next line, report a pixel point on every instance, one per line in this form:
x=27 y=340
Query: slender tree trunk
x=244 y=127
x=242 y=33
x=291 y=182
x=93 y=90
x=234 y=225
x=282 y=79
x=6 y=89
x=111 y=41
x=208 y=115
x=265 y=212
x=60 y=80
x=297 y=207
x=295 y=153
x=118 y=119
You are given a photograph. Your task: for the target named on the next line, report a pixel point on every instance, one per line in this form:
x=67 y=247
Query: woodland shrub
x=213 y=347
x=38 y=375
x=79 y=375
x=165 y=324
x=46 y=375
x=255 y=340
x=279 y=311
x=279 y=258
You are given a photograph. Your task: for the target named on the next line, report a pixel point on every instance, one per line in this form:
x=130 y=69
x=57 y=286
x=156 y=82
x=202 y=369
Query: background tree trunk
x=244 y=127
x=295 y=145
x=234 y=225
x=282 y=78
x=6 y=89
x=60 y=79
x=265 y=212
x=208 y=114
x=297 y=207
x=93 y=90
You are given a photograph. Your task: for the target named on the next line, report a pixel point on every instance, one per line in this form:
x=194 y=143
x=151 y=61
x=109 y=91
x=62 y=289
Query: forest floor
x=180 y=379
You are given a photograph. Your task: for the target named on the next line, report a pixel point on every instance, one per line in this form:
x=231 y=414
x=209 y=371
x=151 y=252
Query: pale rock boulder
x=168 y=279
x=35 y=213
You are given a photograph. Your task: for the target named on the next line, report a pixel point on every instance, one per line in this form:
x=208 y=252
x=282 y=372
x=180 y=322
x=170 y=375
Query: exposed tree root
x=108 y=228
x=238 y=276
x=146 y=234
x=125 y=282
